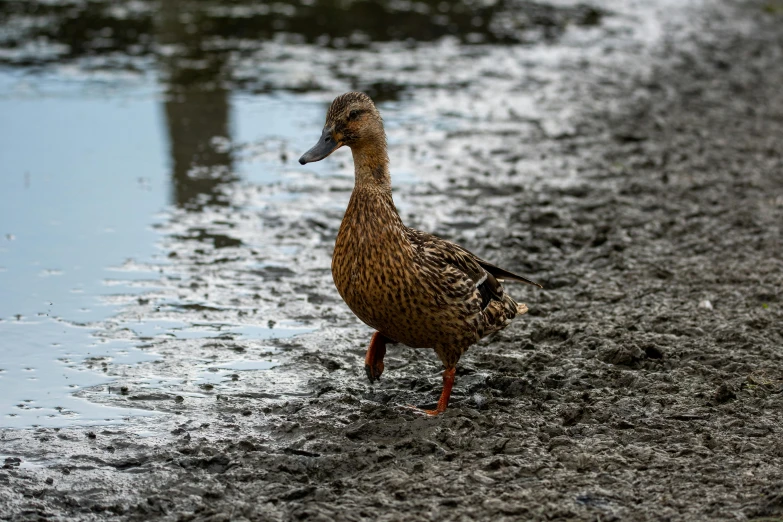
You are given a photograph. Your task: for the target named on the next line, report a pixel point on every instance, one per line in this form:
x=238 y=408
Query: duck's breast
x=371 y=270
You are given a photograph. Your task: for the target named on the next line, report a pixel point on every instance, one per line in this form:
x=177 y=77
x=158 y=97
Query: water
x=186 y=330
x=87 y=172
x=44 y=364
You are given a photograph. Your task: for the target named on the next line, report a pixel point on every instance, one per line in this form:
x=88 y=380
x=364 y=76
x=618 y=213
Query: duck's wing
x=440 y=255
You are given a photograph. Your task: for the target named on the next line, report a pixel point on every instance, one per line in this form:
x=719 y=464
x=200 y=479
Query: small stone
x=724 y=393
x=704 y=303
x=12 y=462
x=625 y=355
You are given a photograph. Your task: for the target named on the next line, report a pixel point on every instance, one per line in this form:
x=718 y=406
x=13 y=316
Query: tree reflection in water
x=197 y=111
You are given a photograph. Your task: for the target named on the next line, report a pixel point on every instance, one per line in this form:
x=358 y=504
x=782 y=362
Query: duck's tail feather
x=512 y=308
x=502 y=274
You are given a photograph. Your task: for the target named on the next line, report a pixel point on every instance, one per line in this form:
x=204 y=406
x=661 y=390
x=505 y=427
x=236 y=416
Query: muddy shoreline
x=646 y=382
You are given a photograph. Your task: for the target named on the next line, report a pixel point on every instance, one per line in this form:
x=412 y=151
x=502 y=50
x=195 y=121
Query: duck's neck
x=371 y=202
x=371 y=167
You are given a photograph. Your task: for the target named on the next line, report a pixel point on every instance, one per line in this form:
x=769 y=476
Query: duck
x=410 y=286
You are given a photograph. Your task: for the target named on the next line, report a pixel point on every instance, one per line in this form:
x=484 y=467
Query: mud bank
x=645 y=383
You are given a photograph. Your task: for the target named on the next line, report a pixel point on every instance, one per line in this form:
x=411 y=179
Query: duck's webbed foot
x=443 y=402
x=373 y=361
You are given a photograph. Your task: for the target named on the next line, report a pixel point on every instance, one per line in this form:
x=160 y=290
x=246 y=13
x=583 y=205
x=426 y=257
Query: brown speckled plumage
x=412 y=287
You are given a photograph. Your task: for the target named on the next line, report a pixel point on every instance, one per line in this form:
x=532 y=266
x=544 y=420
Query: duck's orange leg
x=443 y=402
x=373 y=361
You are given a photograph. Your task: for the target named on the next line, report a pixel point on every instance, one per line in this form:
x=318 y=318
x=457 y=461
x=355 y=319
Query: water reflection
x=195 y=118
x=121 y=30
x=197 y=111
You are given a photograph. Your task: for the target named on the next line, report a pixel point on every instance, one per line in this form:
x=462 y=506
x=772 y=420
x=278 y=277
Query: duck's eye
x=355 y=114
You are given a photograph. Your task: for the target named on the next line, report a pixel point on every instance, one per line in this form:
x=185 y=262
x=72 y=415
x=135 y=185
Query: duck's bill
x=325 y=146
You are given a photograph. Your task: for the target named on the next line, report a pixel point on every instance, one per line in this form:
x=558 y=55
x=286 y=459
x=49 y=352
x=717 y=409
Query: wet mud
x=643 y=188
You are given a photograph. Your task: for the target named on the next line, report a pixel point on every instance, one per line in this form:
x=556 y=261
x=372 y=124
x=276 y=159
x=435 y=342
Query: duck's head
x=353 y=121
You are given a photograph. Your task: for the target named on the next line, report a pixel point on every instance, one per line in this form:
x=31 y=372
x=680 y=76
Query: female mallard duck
x=410 y=286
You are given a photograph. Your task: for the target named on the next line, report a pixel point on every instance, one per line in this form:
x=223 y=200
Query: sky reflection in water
x=85 y=176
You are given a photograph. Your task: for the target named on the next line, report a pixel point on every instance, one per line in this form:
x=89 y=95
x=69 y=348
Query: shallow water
x=89 y=170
